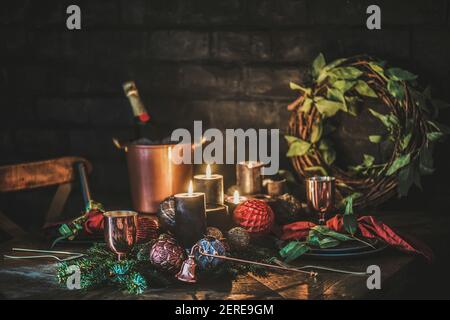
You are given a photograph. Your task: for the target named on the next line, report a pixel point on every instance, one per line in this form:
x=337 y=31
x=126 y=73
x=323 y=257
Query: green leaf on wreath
x=324 y=73
x=346 y=73
x=328 y=156
x=399 y=163
x=390 y=121
x=297 y=146
x=375 y=138
x=405 y=141
x=318 y=64
x=434 y=136
x=405 y=180
x=363 y=89
x=334 y=64
x=307 y=104
x=316 y=132
x=328 y=108
x=295 y=86
x=398 y=74
x=426 y=163
x=378 y=68
x=368 y=160
x=343 y=85
x=395 y=88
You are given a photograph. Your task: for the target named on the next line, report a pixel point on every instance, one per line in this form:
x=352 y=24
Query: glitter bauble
x=214 y=232
x=167 y=255
x=166 y=214
x=287 y=209
x=238 y=237
x=146 y=229
x=255 y=216
x=211 y=246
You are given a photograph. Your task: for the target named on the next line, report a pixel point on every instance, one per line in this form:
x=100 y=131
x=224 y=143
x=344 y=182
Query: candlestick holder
x=217 y=216
x=233 y=201
x=249 y=178
x=275 y=188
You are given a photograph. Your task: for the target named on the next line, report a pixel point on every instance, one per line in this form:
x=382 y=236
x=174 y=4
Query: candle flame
x=208 y=171
x=236 y=197
x=191 y=188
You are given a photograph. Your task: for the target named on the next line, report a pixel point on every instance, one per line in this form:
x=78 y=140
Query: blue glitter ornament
x=212 y=246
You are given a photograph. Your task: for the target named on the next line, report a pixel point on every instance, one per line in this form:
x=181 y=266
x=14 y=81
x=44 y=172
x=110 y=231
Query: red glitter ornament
x=167 y=255
x=255 y=216
x=147 y=228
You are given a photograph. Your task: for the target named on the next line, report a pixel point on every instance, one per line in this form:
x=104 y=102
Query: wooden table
x=35 y=279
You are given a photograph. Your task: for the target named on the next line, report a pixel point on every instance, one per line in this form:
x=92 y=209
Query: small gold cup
x=120 y=231
x=320 y=195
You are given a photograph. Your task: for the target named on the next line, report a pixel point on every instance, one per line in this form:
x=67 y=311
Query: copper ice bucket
x=153 y=176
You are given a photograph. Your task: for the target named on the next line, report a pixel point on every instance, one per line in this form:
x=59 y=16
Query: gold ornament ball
x=214 y=232
x=238 y=237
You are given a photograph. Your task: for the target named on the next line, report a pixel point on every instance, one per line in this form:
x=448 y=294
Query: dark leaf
x=399 y=163
x=405 y=141
x=329 y=156
x=426 y=161
x=349 y=219
x=405 y=180
x=390 y=121
x=395 y=88
x=398 y=74
x=287 y=175
x=434 y=136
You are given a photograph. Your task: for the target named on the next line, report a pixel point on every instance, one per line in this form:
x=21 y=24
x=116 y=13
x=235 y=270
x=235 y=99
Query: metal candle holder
x=248 y=176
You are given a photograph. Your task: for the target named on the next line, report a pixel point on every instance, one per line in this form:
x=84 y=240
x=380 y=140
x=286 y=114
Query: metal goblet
x=320 y=195
x=120 y=231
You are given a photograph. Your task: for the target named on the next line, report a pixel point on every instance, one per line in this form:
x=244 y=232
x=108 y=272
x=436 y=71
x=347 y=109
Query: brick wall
x=227 y=63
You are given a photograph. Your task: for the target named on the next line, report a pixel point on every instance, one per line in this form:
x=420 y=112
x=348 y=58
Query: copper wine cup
x=120 y=231
x=320 y=195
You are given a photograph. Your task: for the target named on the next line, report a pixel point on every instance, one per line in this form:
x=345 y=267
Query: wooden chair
x=25 y=176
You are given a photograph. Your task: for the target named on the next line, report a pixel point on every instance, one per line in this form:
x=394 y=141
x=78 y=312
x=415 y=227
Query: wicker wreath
x=342 y=86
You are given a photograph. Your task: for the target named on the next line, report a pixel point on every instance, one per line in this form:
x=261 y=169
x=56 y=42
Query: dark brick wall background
x=227 y=63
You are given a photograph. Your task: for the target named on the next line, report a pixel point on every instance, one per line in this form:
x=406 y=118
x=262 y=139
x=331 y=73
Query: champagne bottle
x=145 y=129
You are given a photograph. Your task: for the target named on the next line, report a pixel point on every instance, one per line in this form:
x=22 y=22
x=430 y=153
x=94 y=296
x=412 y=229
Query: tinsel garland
x=100 y=267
